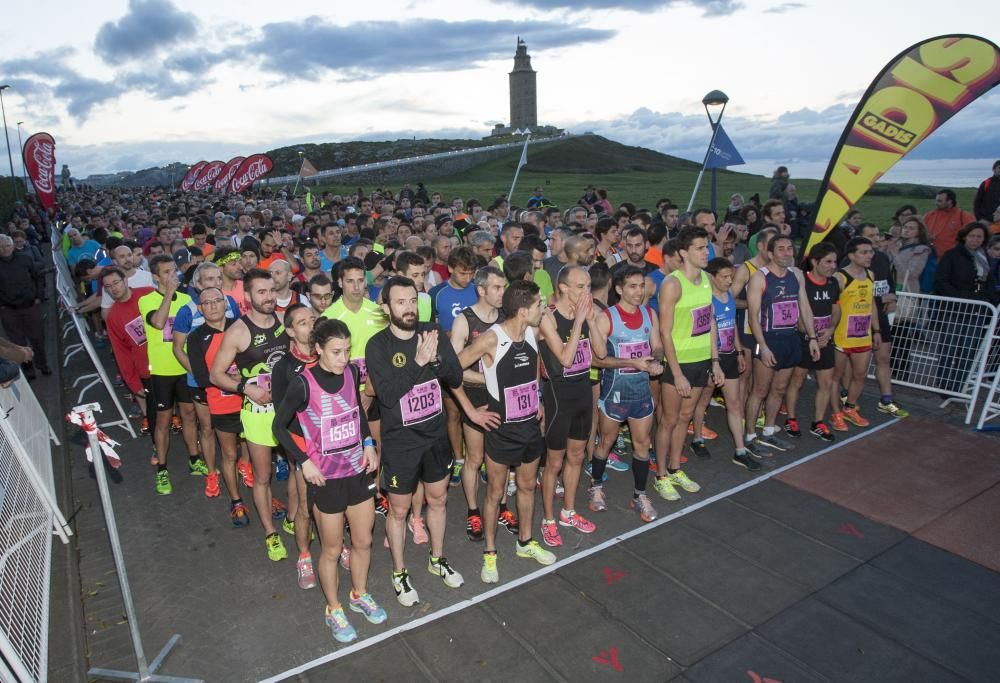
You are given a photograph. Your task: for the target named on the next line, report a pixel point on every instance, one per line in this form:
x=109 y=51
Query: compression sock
x=640 y=475
x=597 y=466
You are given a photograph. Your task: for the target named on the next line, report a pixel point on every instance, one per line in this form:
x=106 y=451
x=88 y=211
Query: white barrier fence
x=67 y=297
x=945 y=345
x=29 y=516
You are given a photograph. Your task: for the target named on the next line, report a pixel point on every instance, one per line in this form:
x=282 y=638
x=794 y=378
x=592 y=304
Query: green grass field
x=590 y=162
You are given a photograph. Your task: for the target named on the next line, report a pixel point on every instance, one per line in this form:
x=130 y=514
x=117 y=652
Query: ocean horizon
x=937 y=172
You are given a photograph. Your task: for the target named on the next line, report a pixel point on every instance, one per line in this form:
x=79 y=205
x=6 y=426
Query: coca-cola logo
x=250 y=171
x=208 y=175
x=227 y=173
x=39 y=155
x=188 y=180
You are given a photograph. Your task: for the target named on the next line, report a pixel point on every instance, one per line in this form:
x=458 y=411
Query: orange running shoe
x=278 y=509
x=144 y=429
x=837 y=420
x=212 y=485
x=175 y=424
x=245 y=470
x=706 y=433
x=854 y=417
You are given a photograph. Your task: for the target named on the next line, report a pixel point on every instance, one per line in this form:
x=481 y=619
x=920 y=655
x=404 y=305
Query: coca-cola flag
x=187 y=182
x=208 y=175
x=39 y=156
x=253 y=168
x=227 y=173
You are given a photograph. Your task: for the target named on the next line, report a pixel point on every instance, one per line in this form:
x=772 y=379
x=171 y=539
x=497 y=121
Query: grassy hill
x=641 y=176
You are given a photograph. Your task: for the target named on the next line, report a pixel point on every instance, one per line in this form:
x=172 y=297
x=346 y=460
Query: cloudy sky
x=127 y=84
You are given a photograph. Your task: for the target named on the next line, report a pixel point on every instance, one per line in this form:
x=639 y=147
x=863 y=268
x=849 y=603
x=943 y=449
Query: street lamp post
x=10 y=158
x=714 y=101
x=20 y=146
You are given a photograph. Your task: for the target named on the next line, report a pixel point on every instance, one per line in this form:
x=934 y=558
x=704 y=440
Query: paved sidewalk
x=732 y=577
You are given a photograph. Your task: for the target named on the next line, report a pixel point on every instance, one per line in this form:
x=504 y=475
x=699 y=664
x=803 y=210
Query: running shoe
x=275 y=548
x=118 y=381
x=482 y=473
x=245 y=471
x=774 y=442
x=144 y=429
x=761 y=419
x=304 y=568
x=489 y=573
x=345 y=558
x=571 y=519
x=822 y=431
x=746 y=460
x=678 y=478
x=854 y=417
x=718 y=401
x=892 y=408
x=197 y=467
x=550 y=533
x=792 y=427
x=560 y=489
x=474 y=528
x=838 y=422
x=343 y=632
x=597 y=501
x=238 y=513
x=288 y=526
x=644 y=506
x=508 y=521
x=587 y=469
x=419 y=530
x=615 y=463
x=212 y=485
x=706 y=433
x=175 y=424
x=382 y=505
x=700 y=449
x=440 y=567
x=620 y=448
x=278 y=509
x=843 y=394
x=405 y=593
x=666 y=490
x=511 y=484
x=652 y=459
x=281 y=469
x=163 y=485
x=133 y=410
x=534 y=551
x=366 y=605
x=783 y=410
x=456 y=473
x=757 y=451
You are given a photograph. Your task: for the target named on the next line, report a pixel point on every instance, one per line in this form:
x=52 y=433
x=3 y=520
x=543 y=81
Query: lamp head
x=715 y=97
x=3 y=87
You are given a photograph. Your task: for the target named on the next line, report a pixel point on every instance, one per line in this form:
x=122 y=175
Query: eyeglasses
x=211 y=302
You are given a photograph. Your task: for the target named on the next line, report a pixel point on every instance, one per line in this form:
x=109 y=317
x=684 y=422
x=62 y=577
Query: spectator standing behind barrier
x=988 y=195
x=964 y=273
x=945 y=221
x=22 y=286
x=909 y=256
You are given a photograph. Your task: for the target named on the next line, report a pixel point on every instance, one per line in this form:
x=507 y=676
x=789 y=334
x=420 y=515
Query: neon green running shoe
x=288 y=526
x=489 y=573
x=666 y=489
x=275 y=548
x=534 y=551
x=678 y=478
x=163 y=485
x=892 y=408
x=197 y=467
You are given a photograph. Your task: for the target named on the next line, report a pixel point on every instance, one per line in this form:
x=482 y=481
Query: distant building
x=523 y=95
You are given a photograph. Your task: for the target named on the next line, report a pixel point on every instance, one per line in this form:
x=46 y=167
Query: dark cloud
x=146 y=27
x=303 y=49
x=784 y=7
x=49 y=64
x=196 y=63
x=160 y=83
x=710 y=8
x=83 y=94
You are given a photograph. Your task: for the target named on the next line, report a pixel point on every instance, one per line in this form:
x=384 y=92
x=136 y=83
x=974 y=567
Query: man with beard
x=256 y=342
x=406 y=365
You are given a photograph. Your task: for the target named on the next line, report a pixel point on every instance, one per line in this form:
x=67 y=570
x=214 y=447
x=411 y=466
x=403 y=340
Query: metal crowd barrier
x=29 y=516
x=67 y=297
x=991 y=407
x=944 y=345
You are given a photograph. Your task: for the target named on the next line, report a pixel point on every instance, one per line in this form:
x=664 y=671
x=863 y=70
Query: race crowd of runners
x=381 y=351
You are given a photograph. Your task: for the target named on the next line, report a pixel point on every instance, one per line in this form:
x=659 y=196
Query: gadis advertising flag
x=920 y=89
x=39 y=154
x=253 y=168
x=221 y=183
x=188 y=180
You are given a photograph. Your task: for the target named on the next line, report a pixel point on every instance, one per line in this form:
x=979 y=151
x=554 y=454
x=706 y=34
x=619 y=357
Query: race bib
x=264 y=381
x=168 y=330
x=362 y=367
x=340 y=432
x=632 y=350
x=421 y=403
x=701 y=320
x=521 y=401
x=581 y=361
x=727 y=339
x=822 y=322
x=136 y=331
x=857 y=326
x=882 y=288
x=785 y=313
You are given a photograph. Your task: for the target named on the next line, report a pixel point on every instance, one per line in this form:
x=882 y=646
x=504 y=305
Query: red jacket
x=128 y=339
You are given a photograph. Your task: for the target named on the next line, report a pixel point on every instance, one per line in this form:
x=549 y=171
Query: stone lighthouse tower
x=523 y=100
